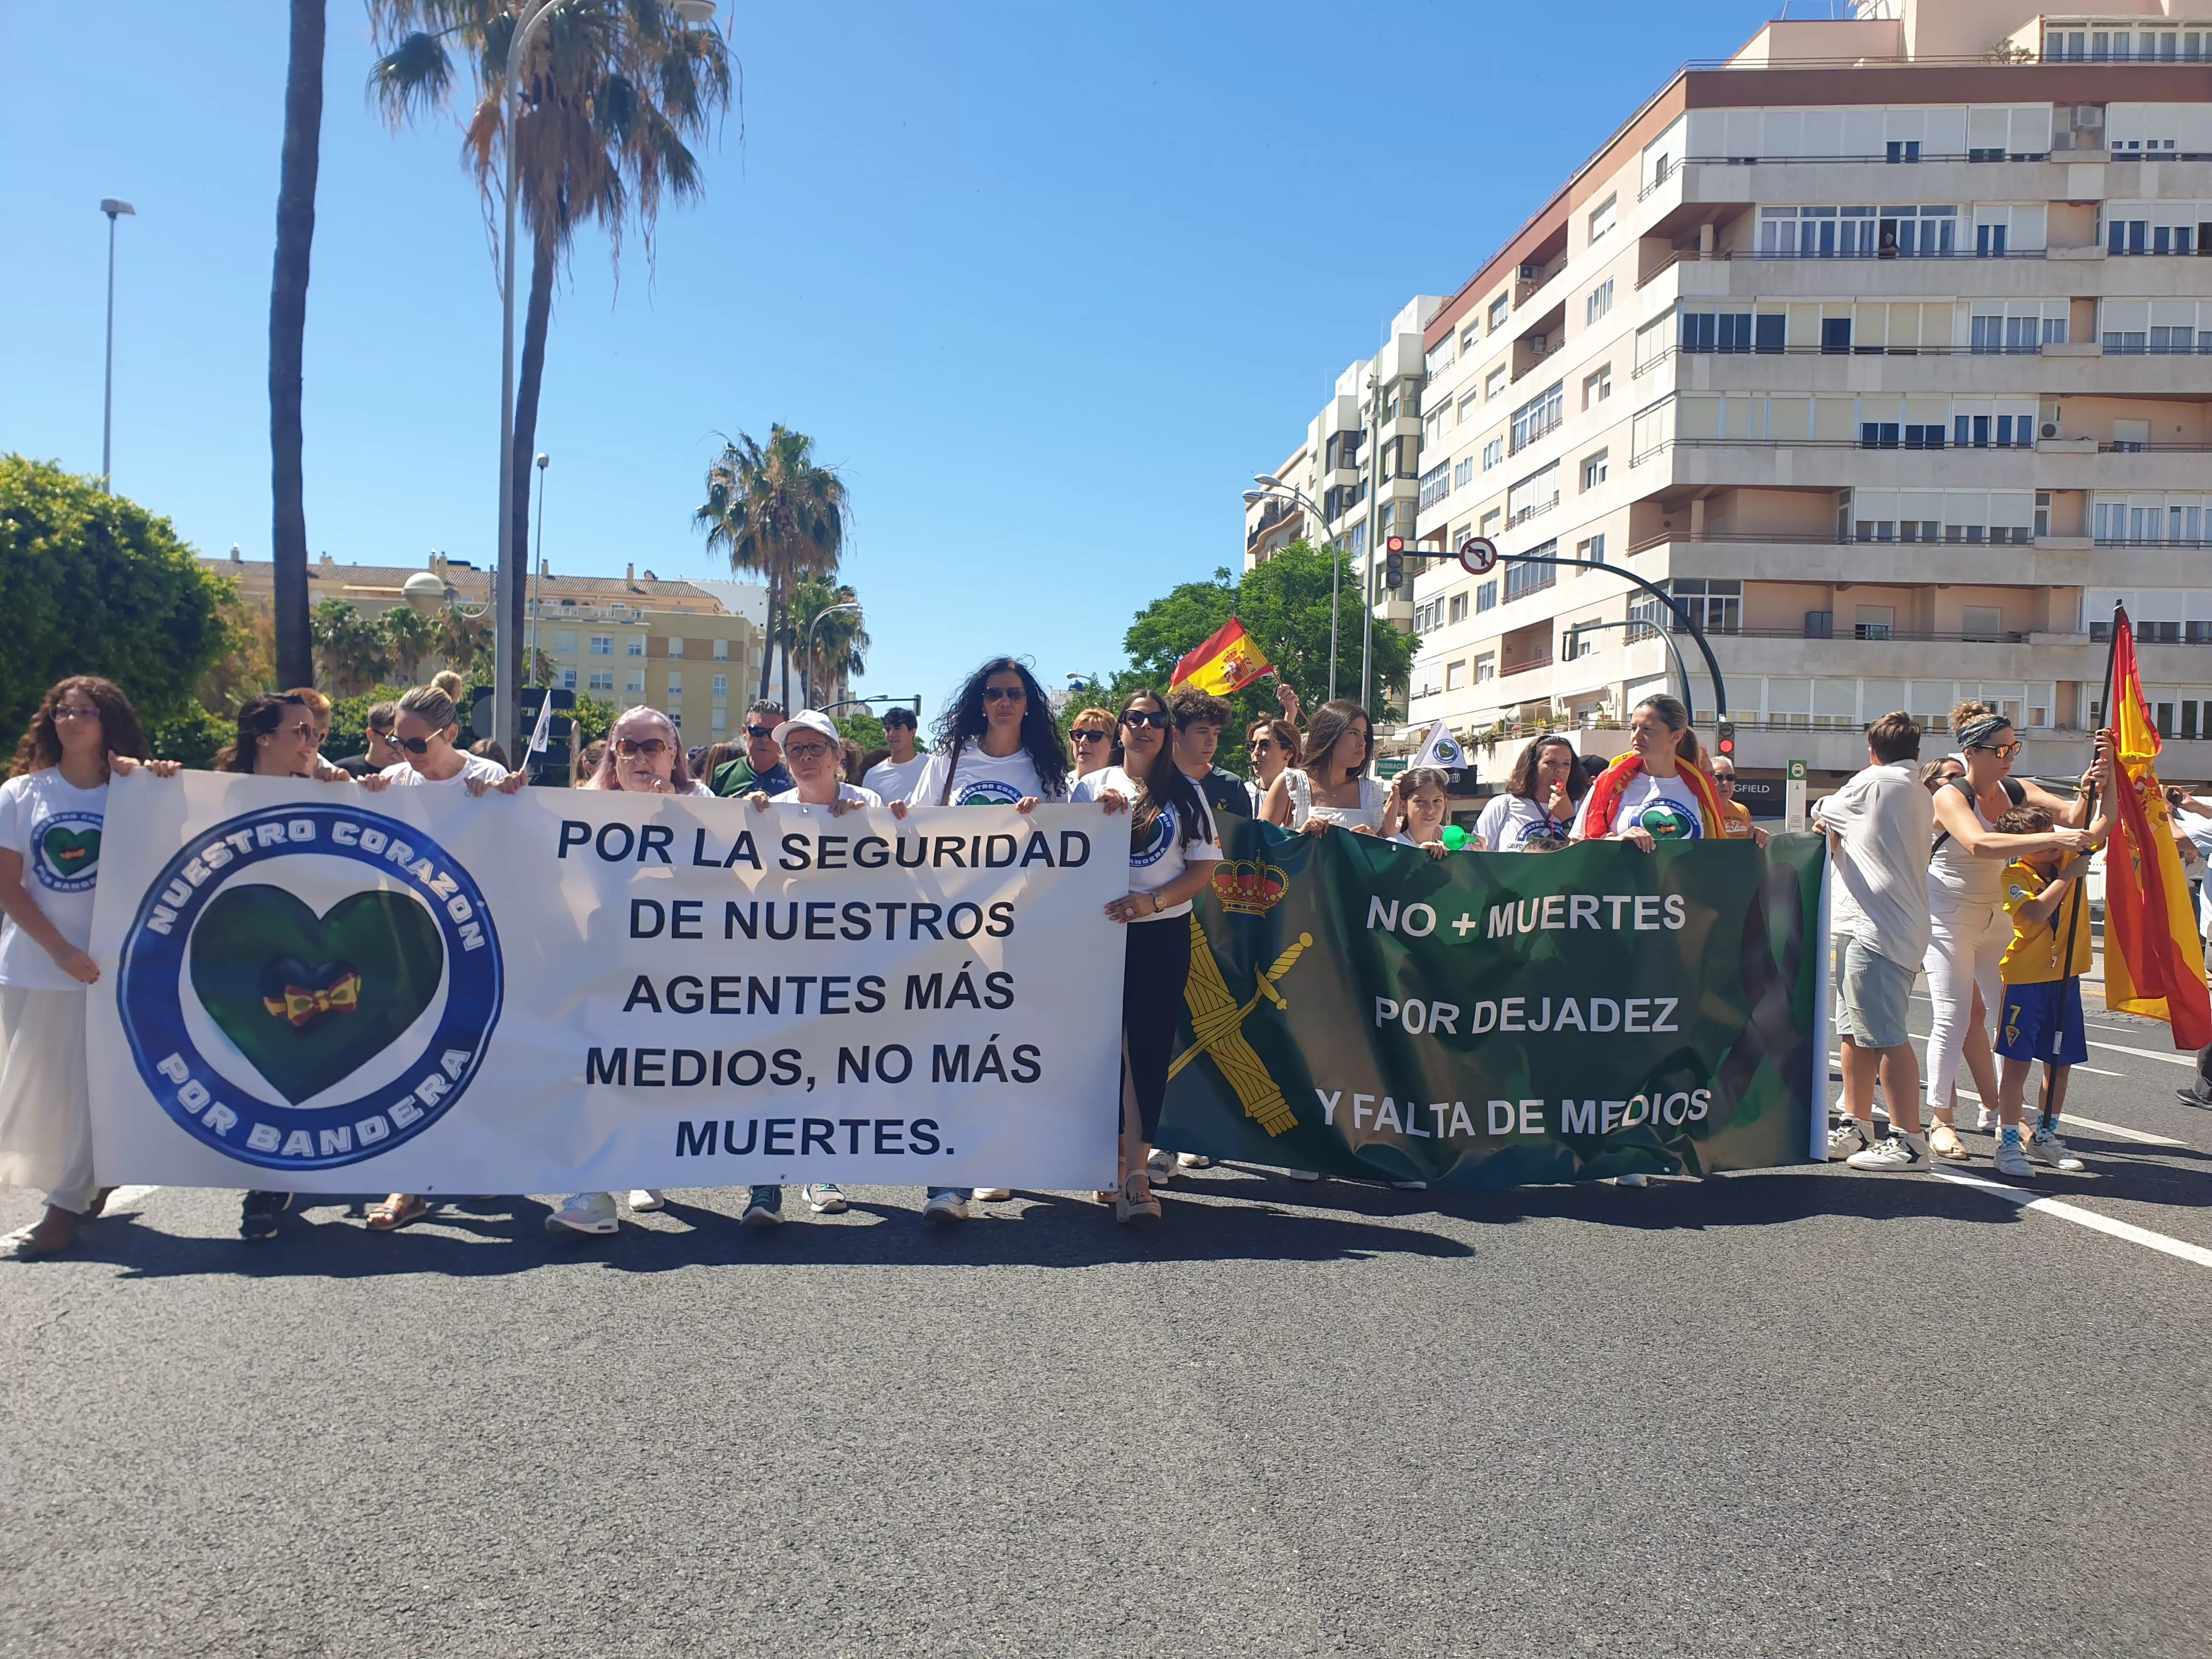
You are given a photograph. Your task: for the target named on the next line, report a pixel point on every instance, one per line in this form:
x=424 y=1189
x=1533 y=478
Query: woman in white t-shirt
x=643 y=757
x=1173 y=848
x=1658 y=791
x=424 y=732
x=1534 y=813
x=51 y=810
x=1329 y=786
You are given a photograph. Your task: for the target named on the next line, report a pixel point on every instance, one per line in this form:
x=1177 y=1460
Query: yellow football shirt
x=2032 y=958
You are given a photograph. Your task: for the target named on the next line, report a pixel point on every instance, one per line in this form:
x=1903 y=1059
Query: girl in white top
x=1329 y=788
x=1422 y=797
x=1968 y=928
x=641 y=757
x=1173 y=847
x=1538 y=806
x=424 y=732
x=51 y=810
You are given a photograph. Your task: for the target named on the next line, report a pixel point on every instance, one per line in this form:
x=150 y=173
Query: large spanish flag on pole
x=1226 y=663
x=2153 y=960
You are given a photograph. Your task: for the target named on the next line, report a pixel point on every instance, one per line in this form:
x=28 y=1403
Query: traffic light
x=1393 y=562
x=1724 y=739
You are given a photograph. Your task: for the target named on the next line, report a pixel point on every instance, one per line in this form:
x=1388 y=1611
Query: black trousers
x=1157 y=967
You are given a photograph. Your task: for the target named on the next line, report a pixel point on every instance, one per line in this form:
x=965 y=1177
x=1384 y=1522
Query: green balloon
x=1454 y=838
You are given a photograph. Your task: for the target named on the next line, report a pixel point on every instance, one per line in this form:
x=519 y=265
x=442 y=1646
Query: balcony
x=1524 y=665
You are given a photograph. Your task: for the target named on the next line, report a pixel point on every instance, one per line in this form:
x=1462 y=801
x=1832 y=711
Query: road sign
x=1793 y=809
x=1477 y=555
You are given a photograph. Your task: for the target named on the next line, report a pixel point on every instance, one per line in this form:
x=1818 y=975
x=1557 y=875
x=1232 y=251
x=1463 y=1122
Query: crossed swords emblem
x=1218 y=1021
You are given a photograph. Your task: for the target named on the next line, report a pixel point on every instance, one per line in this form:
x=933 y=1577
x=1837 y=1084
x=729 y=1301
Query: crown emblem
x=1247 y=887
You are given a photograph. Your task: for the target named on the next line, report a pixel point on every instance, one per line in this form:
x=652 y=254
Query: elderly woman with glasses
x=1329 y=786
x=1968 y=928
x=1091 y=735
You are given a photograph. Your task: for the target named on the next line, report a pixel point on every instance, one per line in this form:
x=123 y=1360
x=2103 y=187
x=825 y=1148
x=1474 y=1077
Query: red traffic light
x=1395 y=544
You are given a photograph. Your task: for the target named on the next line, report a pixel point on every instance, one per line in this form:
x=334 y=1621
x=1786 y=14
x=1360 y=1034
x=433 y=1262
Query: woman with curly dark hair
x=51 y=810
x=1538 y=807
x=997 y=745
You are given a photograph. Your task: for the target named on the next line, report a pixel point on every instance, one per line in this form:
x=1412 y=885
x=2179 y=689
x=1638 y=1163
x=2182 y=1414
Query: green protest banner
x=1494 y=1020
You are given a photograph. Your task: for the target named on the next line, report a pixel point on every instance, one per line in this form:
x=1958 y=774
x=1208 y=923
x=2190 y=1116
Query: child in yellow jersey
x=2042 y=1006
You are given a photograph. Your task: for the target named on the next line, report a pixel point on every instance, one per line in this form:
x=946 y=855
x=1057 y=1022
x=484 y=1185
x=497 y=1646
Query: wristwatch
x=1156 y=903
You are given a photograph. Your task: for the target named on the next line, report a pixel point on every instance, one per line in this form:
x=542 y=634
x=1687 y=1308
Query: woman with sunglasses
x=51 y=807
x=1968 y=926
x=1173 y=847
x=1091 y=733
x=642 y=756
x=1273 y=744
x=1328 y=786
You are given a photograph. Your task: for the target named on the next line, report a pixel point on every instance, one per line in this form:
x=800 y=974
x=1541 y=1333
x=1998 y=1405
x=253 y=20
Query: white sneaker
x=2011 y=1156
x=585 y=1212
x=1635 y=1178
x=1304 y=1175
x=1160 y=1166
x=945 y=1206
x=823 y=1198
x=992 y=1195
x=1847 y=1137
x=1985 y=1120
x=646 y=1198
x=2046 y=1147
x=1193 y=1161
x=1895 y=1152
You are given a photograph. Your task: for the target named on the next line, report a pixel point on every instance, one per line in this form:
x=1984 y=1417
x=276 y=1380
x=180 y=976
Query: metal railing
x=1660 y=357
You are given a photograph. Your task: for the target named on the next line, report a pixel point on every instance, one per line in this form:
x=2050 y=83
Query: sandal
x=1135 y=1201
x=1943 y=1142
x=398 y=1211
x=98 y=1207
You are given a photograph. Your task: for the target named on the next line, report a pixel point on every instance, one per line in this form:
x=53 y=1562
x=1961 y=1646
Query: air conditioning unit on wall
x=2048 y=430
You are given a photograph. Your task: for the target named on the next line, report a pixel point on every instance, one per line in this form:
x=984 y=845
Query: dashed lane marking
x=2082 y=1218
x=2190 y=1060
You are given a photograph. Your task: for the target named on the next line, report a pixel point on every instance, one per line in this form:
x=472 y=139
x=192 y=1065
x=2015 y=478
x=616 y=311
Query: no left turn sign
x=1477 y=555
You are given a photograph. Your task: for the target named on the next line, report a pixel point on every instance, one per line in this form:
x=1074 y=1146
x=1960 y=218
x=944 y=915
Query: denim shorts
x=1875 y=990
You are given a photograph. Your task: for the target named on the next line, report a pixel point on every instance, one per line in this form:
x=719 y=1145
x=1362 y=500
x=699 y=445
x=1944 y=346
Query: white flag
x=540 y=738
x=1441 y=749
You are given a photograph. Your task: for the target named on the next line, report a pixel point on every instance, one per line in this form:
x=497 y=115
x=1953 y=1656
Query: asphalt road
x=1815 y=1412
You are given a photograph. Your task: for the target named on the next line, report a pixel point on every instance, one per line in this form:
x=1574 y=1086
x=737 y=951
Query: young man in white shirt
x=1879 y=827
x=894 y=778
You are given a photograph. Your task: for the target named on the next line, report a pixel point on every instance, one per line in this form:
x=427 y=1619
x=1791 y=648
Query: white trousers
x=1966 y=943
x=46 y=1100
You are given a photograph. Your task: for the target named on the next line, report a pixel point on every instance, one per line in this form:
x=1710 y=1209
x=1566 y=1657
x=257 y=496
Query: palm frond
x=411 y=79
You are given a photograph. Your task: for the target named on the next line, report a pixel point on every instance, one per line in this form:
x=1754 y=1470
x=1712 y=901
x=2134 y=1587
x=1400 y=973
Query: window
x=1485 y=597
x=1499 y=309
x=634 y=646
x=2042 y=513
x=1739 y=331
x=1401 y=459
x=675 y=647
x=1591 y=551
x=1538 y=416
x=722 y=720
x=1493 y=453
x=1496 y=383
x=567 y=679
x=1874 y=621
x=675 y=686
x=634 y=682
x=1432 y=426
x=1463 y=472
x=1455 y=674
x=1456 y=608
x=1599 y=303
x=603 y=680
x=603 y=645
x=721 y=685
x=564 y=639
x=1594 y=469
x=1529 y=578
x=1982 y=621
x=1597 y=386
x=1602 y=217
x=1469 y=402
x=1716 y=606
x=1537 y=493
x=1441 y=356
x=1435 y=485
x=1469 y=335
x=1490 y=520
x=1486 y=667
x=721 y=651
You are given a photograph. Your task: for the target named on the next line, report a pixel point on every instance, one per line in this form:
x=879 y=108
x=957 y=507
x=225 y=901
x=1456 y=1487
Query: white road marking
x=2190 y=1060
x=2095 y=1071
x=122 y=1195
x=2066 y=1118
x=2082 y=1218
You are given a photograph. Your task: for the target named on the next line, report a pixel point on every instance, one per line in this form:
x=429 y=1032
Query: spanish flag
x=2154 y=961
x=1225 y=664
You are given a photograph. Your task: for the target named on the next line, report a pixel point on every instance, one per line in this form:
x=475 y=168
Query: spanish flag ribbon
x=2153 y=960
x=1227 y=663
x=300 y=1004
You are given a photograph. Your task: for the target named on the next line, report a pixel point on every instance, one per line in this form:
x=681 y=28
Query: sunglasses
x=806 y=751
x=412 y=746
x=627 y=747
x=67 y=713
x=1087 y=735
x=1157 y=719
x=2001 y=751
x=761 y=734
x=1005 y=694
x=1259 y=743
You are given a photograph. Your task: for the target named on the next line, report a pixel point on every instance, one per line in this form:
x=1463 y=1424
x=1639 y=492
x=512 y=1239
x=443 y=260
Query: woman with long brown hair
x=1328 y=786
x=53 y=808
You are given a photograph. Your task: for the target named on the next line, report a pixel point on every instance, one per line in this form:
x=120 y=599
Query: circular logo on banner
x=306 y=986
x=65 y=854
x=1448 y=753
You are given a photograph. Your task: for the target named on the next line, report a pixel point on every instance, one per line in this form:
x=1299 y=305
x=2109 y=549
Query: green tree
x=350 y=653
x=773 y=512
x=838 y=642
x=613 y=95
x=92 y=583
x=409 y=636
x=1285 y=606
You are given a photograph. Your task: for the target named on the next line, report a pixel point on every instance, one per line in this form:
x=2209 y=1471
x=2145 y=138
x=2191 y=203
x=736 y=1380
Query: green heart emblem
x=309 y=999
x=71 y=855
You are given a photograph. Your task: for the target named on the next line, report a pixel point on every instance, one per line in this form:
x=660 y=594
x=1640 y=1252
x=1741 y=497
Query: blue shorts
x=2043 y=1022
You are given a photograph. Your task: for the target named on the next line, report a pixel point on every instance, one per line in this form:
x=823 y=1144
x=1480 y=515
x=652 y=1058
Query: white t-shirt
x=1166 y=856
x=1664 y=806
x=1884 y=819
x=851 y=792
x=472 y=766
x=55 y=826
x=894 y=780
x=696 y=787
x=1509 y=823
x=1374 y=801
x=981 y=779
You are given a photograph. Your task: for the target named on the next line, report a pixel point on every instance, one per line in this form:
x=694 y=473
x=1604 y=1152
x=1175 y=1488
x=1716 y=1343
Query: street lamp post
x=806 y=665
x=113 y=210
x=1270 y=485
x=536 y=578
x=507 y=680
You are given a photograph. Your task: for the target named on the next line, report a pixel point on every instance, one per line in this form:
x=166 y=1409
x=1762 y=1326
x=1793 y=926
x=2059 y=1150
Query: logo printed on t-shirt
x=987 y=792
x=65 y=852
x=1662 y=820
x=1163 y=837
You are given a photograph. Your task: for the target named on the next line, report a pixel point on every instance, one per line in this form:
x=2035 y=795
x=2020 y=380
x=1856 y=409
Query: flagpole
x=2074 y=901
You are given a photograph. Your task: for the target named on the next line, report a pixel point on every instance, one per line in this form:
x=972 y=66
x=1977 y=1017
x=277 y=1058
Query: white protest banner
x=311 y=987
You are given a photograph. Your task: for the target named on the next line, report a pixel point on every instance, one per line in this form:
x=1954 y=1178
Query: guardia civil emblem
x=306 y=986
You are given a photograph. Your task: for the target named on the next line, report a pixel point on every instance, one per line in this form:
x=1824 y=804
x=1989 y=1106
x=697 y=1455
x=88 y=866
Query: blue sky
x=1047 y=282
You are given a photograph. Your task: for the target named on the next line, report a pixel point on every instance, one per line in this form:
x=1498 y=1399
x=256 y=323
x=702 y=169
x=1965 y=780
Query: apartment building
x=690 y=649
x=1885 y=348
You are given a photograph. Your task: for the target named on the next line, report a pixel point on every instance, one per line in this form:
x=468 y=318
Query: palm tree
x=839 y=642
x=462 y=640
x=287 y=329
x=350 y=652
x=611 y=93
x=409 y=636
x=773 y=511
